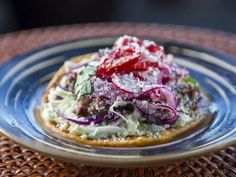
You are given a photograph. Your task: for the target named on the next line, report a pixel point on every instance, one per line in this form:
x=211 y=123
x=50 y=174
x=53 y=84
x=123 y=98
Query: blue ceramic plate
x=24 y=79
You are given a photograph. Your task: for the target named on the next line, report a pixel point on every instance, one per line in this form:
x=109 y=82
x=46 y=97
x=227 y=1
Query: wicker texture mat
x=18 y=161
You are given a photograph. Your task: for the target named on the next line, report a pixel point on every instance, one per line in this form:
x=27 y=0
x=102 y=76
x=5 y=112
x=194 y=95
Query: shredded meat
x=91 y=106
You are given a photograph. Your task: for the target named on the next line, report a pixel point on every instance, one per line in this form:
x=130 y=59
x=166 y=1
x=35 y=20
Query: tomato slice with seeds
x=153 y=48
x=121 y=65
x=126 y=56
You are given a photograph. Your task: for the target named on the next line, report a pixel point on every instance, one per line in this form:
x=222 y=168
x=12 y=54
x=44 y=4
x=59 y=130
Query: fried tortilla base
x=165 y=136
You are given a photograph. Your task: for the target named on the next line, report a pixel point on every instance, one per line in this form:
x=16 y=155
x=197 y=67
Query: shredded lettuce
x=95 y=132
x=183 y=120
x=117 y=104
x=131 y=120
x=48 y=115
x=63 y=93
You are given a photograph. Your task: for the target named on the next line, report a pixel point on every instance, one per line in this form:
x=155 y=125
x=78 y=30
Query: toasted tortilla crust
x=165 y=136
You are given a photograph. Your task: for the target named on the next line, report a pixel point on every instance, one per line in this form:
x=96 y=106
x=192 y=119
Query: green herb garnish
x=190 y=80
x=83 y=85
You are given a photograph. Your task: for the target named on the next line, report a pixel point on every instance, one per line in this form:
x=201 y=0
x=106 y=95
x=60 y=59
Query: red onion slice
x=155 y=112
x=181 y=72
x=111 y=117
x=103 y=88
x=169 y=97
x=160 y=93
x=88 y=121
x=96 y=120
x=152 y=90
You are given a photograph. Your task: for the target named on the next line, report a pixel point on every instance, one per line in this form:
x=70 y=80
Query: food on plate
x=132 y=94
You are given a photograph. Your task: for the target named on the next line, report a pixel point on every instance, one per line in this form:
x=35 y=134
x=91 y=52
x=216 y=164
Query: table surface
x=16 y=160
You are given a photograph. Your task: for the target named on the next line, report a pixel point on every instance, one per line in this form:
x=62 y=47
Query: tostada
x=132 y=94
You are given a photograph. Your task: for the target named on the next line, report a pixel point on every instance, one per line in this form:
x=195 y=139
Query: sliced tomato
x=143 y=66
x=153 y=48
x=126 y=57
x=121 y=65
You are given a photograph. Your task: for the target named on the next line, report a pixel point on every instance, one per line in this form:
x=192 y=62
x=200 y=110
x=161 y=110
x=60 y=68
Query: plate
x=24 y=78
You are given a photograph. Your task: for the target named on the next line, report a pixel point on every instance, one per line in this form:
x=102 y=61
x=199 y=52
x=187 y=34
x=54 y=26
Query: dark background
x=25 y=14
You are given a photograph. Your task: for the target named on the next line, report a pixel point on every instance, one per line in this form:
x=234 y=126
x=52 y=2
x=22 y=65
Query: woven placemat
x=18 y=161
